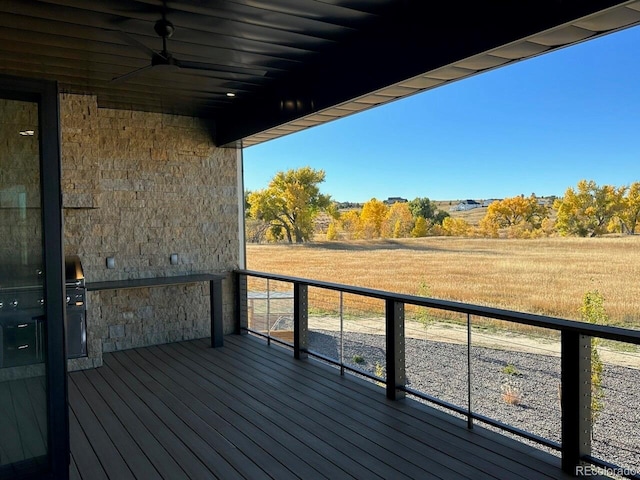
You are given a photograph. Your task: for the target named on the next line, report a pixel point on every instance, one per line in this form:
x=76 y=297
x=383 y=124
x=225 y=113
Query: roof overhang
x=289 y=64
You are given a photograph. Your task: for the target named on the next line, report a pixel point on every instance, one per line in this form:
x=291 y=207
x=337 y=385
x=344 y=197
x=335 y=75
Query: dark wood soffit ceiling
x=291 y=64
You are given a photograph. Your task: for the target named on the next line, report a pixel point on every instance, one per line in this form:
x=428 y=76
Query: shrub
x=422 y=313
x=511 y=394
x=593 y=311
x=510 y=369
x=359 y=359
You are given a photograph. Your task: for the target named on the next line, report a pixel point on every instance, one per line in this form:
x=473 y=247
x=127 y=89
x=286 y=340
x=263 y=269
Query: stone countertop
x=154 y=281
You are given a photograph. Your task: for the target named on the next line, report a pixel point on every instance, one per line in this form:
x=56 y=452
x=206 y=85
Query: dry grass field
x=546 y=276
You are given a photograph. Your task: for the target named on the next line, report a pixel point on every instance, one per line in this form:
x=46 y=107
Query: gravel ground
x=440 y=369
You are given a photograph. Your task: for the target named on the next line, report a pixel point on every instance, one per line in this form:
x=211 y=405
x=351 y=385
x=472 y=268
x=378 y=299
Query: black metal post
x=215 y=295
x=394 y=312
x=575 y=399
x=469 y=379
x=242 y=315
x=300 y=320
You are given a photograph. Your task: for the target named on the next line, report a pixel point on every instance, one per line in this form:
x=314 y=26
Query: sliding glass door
x=33 y=416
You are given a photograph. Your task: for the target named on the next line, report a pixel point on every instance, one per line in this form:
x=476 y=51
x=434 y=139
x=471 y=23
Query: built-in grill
x=22 y=314
x=76 y=308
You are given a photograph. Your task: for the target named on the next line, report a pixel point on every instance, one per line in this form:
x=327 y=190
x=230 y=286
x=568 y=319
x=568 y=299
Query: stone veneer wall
x=20 y=214
x=138 y=187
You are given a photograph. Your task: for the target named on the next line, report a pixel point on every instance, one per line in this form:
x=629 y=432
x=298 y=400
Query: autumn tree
x=398 y=221
x=332 y=231
x=351 y=224
x=372 y=218
x=630 y=212
x=517 y=210
x=521 y=215
x=455 y=227
x=290 y=203
x=587 y=210
x=421 y=228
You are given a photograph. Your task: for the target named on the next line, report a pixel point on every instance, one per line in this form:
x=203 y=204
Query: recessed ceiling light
x=27 y=133
x=231 y=94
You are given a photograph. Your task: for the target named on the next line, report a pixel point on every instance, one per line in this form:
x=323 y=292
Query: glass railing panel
x=515 y=376
x=270 y=308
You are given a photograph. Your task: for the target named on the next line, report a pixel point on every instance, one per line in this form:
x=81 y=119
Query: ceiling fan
x=164 y=28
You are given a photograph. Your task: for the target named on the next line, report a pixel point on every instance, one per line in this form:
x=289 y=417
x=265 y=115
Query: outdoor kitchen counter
x=215 y=292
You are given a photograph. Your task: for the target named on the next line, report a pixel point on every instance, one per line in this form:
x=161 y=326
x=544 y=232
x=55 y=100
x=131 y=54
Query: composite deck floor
x=248 y=410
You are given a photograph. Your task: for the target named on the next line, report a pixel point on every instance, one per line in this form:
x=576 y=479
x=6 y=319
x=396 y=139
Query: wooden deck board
x=82 y=451
x=23 y=427
x=302 y=442
x=362 y=421
x=33 y=442
x=405 y=420
x=108 y=455
x=378 y=453
x=251 y=411
x=203 y=442
x=281 y=464
x=10 y=446
x=133 y=455
x=243 y=447
x=509 y=452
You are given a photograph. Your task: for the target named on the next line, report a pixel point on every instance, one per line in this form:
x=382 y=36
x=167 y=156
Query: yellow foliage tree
x=524 y=212
x=290 y=203
x=587 y=211
x=630 y=212
x=351 y=225
x=455 y=227
x=398 y=221
x=421 y=228
x=372 y=217
x=332 y=231
x=487 y=227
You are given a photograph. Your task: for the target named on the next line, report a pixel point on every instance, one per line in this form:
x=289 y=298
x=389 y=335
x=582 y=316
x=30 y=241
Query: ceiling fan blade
x=135 y=43
x=214 y=67
x=127 y=76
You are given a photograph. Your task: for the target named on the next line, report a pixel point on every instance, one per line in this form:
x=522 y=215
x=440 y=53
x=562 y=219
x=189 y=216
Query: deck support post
x=394 y=313
x=217 y=326
x=300 y=320
x=242 y=310
x=575 y=399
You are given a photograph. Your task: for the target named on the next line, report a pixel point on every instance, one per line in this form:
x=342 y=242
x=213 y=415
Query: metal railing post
x=469 y=379
x=394 y=313
x=300 y=320
x=341 y=333
x=268 y=313
x=242 y=309
x=575 y=399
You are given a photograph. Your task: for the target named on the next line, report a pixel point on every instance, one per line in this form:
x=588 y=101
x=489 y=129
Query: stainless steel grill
x=22 y=315
x=76 y=308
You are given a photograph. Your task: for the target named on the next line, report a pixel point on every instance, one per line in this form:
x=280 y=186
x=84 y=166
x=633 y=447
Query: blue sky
x=537 y=126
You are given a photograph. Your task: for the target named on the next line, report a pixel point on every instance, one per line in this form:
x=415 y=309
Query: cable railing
x=525 y=374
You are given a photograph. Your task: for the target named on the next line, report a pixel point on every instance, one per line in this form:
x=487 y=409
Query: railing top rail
x=553 y=323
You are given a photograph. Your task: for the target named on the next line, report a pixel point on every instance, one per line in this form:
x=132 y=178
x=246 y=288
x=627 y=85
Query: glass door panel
x=23 y=382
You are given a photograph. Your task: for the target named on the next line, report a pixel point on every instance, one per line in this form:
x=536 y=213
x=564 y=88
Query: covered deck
x=248 y=410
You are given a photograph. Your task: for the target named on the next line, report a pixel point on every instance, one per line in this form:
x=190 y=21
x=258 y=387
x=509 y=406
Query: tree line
x=288 y=207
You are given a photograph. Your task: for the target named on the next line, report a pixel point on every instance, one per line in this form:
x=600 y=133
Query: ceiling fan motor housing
x=164 y=28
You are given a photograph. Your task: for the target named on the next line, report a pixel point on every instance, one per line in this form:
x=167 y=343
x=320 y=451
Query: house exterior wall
x=20 y=221
x=138 y=187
